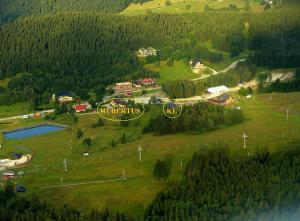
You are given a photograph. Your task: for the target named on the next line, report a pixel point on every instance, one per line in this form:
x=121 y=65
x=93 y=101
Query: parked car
x=20 y=189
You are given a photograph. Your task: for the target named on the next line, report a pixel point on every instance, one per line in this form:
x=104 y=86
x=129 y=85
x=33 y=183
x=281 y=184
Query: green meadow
x=265 y=124
x=178 y=71
x=184 y=6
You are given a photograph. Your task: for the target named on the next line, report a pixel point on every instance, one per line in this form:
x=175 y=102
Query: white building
x=64 y=99
x=147 y=52
x=196 y=66
x=217 y=90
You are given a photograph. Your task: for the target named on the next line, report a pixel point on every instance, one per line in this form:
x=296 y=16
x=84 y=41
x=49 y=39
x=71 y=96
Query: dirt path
x=84 y=183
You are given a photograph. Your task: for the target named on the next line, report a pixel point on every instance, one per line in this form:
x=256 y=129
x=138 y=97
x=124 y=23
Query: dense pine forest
x=87 y=50
x=199 y=118
x=12 y=9
x=262 y=186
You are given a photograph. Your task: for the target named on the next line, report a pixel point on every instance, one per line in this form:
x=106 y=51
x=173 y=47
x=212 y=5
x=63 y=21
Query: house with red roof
x=82 y=107
x=147 y=82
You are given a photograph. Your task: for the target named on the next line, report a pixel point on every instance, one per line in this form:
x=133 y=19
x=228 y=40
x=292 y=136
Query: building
x=37 y=115
x=196 y=66
x=118 y=103
x=151 y=51
x=223 y=99
x=82 y=107
x=124 y=86
x=217 y=90
x=65 y=97
x=147 y=82
x=147 y=52
x=9 y=174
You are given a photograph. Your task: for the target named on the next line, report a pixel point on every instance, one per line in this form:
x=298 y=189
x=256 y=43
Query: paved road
x=30 y=115
x=214 y=72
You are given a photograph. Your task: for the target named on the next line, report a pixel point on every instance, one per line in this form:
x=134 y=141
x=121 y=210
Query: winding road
x=214 y=72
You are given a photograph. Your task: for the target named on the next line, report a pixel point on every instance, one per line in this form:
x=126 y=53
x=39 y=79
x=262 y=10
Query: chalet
x=124 y=86
x=142 y=52
x=196 y=66
x=147 y=52
x=118 y=103
x=217 y=90
x=223 y=99
x=65 y=97
x=82 y=107
x=147 y=82
x=151 y=51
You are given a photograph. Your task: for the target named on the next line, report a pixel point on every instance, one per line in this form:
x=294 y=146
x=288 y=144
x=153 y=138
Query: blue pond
x=32 y=131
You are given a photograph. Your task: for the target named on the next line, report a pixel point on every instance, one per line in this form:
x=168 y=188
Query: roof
x=81 y=107
x=194 y=62
x=147 y=80
x=119 y=101
x=123 y=83
x=64 y=93
x=151 y=49
x=219 y=89
x=221 y=99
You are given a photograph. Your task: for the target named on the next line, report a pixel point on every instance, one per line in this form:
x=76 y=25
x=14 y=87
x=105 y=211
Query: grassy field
x=180 y=6
x=178 y=71
x=265 y=124
x=14 y=110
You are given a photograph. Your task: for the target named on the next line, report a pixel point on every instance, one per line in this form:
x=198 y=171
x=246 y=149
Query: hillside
x=12 y=9
x=184 y=6
x=87 y=51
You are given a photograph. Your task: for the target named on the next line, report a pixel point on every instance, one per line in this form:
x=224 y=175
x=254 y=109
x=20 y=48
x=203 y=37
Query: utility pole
x=140 y=152
x=65 y=164
x=287 y=114
x=245 y=136
x=124 y=175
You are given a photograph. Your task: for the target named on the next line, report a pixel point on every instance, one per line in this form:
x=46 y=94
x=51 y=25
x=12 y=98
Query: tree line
x=201 y=117
x=16 y=208
x=13 y=9
x=217 y=186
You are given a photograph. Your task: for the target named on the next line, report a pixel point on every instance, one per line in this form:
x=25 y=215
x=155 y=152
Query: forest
x=16 y=208
x=13 y=9
x=216 y=186
x=198 y=118
x=89 y=50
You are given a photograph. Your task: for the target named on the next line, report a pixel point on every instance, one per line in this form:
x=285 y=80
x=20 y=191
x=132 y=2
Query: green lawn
x=179 y=6
x=265 y=124
x=14 y=110
x=178 y=71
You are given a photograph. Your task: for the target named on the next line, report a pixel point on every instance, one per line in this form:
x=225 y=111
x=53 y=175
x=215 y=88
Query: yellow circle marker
x=172 y=112
x=108 y=113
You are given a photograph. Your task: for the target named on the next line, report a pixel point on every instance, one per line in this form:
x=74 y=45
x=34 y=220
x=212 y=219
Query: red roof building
x=147 y=81
x=82 y=107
